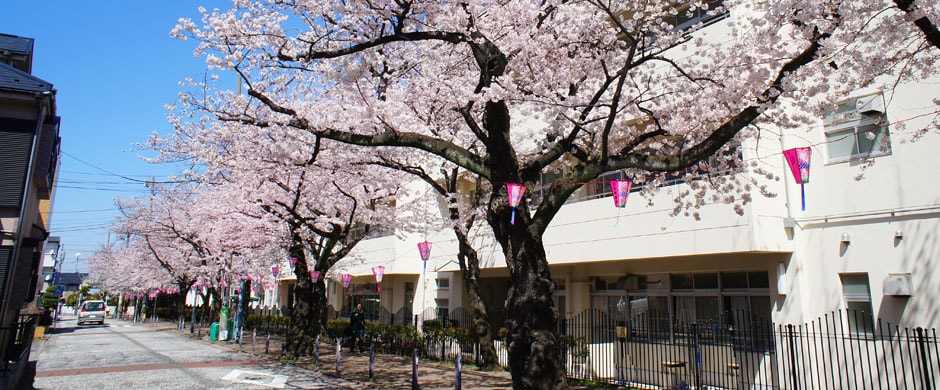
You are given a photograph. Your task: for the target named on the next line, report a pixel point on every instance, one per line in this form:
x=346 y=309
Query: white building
x=866 y=244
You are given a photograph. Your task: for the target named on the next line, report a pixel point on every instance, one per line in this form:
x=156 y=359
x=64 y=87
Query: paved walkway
x=390 y=371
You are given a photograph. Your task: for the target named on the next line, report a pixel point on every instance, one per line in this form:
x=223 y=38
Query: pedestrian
x=357 y=324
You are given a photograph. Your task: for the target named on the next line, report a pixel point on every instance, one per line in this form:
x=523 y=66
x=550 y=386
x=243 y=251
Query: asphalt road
x=124 y=355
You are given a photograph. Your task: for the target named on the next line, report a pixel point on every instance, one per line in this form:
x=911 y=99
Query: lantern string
x=703 y=165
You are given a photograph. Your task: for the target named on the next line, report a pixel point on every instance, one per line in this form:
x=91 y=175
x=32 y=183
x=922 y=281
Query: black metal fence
x=841 y=350
x=844 y=349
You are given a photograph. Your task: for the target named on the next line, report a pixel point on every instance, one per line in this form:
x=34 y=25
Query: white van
x=92 y=311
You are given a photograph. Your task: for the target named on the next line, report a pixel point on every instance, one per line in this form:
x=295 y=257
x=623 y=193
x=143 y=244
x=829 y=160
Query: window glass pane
x=867 y=138
x=882 y=140
x=841 y=143
x=859 y=316
x=758 y=280
x=706 y=309
x=706 y=281
x=855 y=286
x=760 y=308
x=734 y=280
x=685 y=309
x=681 y=281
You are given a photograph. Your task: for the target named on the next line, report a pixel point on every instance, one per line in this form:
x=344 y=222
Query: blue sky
x=115 y=68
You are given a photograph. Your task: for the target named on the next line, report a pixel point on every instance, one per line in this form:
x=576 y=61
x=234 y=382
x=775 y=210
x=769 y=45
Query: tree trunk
x=469 y=263
x=535 y=359
x=304 y=326
x=482 y=328
x=534 y=352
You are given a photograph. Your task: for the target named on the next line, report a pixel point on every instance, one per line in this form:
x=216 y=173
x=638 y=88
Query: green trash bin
x=214 y=332
x=231 y=330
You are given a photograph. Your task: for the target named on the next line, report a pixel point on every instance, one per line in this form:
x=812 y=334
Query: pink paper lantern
x=378 y=271
x=293 y=261
x=621 y=190
x=346 y=279
x=515 y=196
x=424 y=248
x=798 y=160
x=314 y=277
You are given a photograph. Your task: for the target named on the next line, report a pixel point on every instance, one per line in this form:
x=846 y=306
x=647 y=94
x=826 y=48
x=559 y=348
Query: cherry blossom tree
x=183 y=235
x=325 y=204
x=512 y=90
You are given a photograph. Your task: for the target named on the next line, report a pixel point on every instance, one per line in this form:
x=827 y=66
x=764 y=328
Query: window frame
x=854 y=298
x=845 y=118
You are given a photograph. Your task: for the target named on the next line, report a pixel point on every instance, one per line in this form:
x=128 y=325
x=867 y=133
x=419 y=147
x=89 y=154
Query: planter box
x=39 y=333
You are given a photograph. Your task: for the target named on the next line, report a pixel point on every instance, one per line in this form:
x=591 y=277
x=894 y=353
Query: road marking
x=257 y=378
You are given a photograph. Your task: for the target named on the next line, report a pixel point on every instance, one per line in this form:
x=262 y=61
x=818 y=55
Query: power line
x=56 y=212
x=125 y=177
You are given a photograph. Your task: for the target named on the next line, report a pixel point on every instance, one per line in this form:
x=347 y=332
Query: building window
x=409 y=295
x=857 y=129
x=658 y=305
x=443 y=307
x=686 y=18
x=858 y=311
x=443 y=283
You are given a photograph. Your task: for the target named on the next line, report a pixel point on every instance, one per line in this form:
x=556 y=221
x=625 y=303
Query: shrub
x=45 y=318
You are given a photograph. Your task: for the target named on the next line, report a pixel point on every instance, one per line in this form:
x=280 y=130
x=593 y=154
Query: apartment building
x=29 y=149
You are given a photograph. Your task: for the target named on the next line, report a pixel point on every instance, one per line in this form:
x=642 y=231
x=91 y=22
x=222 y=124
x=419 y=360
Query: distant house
x=72 y=280
x=29 y=157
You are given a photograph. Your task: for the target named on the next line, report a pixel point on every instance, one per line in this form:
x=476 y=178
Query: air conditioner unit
x=869 y=105
x=898 y=285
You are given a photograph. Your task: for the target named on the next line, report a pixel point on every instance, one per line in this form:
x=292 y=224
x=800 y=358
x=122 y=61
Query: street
x=124 y=355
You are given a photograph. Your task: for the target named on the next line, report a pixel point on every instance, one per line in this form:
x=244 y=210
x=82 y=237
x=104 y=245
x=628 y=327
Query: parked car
x=92 y=311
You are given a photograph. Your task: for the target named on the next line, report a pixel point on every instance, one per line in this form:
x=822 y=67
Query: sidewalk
x=390 y=371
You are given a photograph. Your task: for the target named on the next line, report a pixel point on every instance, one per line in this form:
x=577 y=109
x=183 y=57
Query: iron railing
x=16 y=341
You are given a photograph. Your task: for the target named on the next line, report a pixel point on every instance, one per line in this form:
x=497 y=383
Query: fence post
x=793 y=373
x=922 y=348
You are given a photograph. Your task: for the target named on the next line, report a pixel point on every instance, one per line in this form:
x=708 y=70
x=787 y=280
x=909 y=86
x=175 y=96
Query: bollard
x=371 y=361
x=316 y=352
x=414 y=360
x=414 y=371
x=457 y=379
x=254 y=334
x=267 y=341
x=339 y=353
